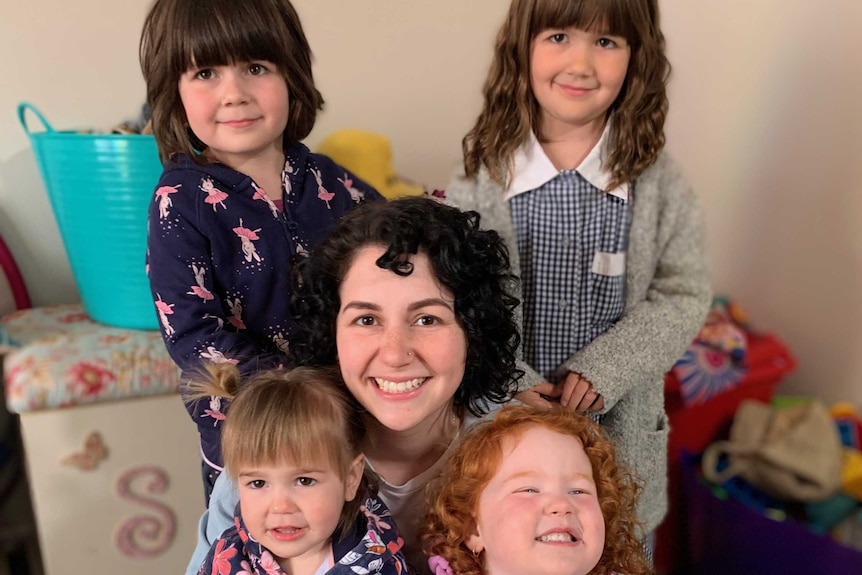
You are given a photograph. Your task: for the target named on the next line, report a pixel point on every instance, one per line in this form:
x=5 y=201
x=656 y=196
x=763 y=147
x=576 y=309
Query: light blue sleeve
x=215 y=520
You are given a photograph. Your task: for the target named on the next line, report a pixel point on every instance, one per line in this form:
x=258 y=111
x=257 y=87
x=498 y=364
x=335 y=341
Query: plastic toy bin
x=100 y=186
x=725 y=537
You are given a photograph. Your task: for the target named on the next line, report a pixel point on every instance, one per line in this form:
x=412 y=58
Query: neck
x=566 y=145
x=264 y=168
x=399 y=456
x=308 y=562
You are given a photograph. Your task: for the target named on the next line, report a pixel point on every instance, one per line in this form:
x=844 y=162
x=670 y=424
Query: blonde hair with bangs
x=179 y=34
x=303 y=416
x=510 y=111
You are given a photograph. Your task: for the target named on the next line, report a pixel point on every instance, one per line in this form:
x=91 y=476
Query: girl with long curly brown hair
x=534 y=492
x=566 y=161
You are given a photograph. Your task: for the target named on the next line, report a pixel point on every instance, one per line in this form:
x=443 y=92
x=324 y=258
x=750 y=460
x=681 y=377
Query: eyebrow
x=528 y=474
x=254 y=472
x=428 y=302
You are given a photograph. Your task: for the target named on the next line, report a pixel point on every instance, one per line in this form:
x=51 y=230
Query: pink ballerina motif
x=200 y=290
x=216 y=356
x=321 y=191
x=355 y=194
x=246 y=236
x=164 y=310
x=281 y=343
x=214 y=410
x=164 y=195
x=219 y=321
x=260 y=194
x=214 y=195
x=235 y=318
x=285 y=177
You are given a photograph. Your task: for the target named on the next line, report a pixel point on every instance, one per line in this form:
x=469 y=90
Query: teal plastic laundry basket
x=100 y=186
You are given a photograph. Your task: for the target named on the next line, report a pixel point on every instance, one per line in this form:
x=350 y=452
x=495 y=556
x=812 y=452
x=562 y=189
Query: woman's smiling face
x=401 y=349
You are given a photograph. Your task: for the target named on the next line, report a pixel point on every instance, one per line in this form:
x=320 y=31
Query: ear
x=474 y=540
x=354 y=477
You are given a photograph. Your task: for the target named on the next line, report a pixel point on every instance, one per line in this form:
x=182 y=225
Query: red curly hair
x=453 y=499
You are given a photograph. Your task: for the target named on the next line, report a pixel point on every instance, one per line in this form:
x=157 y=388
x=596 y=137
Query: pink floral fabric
x=59 y=357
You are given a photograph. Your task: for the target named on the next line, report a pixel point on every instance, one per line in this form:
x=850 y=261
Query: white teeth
x=556 y=537
x=399 y=387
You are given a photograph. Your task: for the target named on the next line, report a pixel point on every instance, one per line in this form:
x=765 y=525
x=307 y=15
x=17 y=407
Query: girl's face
x=293 y=510
x=576 y=76
x=239 y=111
x=401 y=349
x=540 y=514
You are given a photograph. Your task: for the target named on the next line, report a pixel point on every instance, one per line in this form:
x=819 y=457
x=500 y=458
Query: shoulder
x=332 y=172
x=229 y=547
x=665 y=174
x=665 y=183
x=480 y=193
x=184 y=171
x=373 y=538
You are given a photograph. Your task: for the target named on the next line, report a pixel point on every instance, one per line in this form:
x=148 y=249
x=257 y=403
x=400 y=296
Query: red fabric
x=693 y=428
x=13 y=276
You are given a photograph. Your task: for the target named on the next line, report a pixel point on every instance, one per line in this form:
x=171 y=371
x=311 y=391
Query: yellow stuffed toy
x=369 y=156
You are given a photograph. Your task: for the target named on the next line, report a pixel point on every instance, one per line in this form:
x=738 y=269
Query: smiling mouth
x=401 y=386
x=240 y=123
x=558 y=537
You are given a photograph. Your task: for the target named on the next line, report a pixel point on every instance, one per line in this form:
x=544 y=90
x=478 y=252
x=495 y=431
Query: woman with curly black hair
x=411 y=300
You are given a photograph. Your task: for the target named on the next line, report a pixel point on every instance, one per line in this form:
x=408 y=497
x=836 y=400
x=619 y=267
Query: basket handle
x=22 y=109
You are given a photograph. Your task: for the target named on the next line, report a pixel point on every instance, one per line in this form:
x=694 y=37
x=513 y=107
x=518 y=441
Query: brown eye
x=257 y=69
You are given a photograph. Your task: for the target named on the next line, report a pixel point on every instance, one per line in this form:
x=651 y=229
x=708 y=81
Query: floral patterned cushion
x=60 y=358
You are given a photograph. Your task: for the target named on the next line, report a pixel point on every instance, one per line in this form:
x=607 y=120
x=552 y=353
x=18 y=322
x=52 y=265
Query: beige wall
x=764 y=118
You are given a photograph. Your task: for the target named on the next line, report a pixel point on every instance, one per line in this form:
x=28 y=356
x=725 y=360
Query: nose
x=559 y=504
x=396 y=348
x=234 y=89
x=580 y=61
x=282 y=502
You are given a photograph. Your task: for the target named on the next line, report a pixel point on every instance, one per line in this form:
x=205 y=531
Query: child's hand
x=542 y=395
x=577 y=394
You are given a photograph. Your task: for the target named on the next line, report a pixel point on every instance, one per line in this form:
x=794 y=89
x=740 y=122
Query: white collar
x=533 y=168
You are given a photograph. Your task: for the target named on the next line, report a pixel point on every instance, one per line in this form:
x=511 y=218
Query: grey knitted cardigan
x=667 y=297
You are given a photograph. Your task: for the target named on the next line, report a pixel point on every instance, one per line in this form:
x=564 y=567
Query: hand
x=577 y=394
x=541 y=396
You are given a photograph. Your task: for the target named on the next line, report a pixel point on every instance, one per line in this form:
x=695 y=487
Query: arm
x=655 y=331
x=194 y=319
x=215 y=521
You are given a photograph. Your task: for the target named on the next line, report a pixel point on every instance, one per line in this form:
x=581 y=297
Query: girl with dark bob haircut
x=472 y=263
x=231 y=91
x=179 y=33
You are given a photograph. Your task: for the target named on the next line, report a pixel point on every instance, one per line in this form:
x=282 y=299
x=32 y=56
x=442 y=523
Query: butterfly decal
x=89 y=458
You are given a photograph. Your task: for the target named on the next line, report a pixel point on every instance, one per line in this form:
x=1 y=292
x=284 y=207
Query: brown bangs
x=612 y=17
x=211 y=38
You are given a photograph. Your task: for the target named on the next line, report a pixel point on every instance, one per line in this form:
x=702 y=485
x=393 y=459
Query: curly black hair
x=472 y=263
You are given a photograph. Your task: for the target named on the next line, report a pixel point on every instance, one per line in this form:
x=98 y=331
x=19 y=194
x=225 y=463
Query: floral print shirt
x=371 y=547
x=219 y=254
